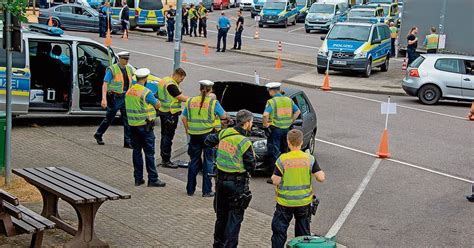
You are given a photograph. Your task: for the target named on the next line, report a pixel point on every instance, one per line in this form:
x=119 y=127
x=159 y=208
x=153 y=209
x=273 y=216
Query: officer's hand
x=103 y=103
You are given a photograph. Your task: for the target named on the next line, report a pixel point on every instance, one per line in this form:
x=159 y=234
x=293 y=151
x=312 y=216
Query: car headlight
x=323 y=52
x=260 y=145
x=360 y=55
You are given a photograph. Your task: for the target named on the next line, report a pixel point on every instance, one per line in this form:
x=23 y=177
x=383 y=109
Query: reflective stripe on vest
x=393 y=32
x=138 y=110
x=282 y=111
x=432 y=41
x=117 y=81
x=168 y=102
x=217 y=123
x=200 y=119
x=295 y=188
x=232 y=146
x=192 y=13
x=202 y=11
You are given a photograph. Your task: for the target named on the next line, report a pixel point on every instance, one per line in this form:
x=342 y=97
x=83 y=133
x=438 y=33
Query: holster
x=149 y=125
x=314 y=205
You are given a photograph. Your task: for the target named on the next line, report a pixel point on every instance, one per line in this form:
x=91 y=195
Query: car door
x=375 y=47
x=468 y=79
x=307 y=115
x=64 y=13
x=84 y=20
x=449 y=75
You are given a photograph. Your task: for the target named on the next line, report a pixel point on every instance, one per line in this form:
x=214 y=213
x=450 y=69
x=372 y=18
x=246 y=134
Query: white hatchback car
x=432 y=77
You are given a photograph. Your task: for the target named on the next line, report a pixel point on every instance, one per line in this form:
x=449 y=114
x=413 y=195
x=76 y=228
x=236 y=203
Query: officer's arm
x=276 y=180
x=320 y=176
x=182 y=98
x=296 y=114
x=104 y=91
x=249 y=160
x=184 y=119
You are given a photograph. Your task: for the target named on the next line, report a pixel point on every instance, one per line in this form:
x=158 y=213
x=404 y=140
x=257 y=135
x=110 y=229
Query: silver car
x=432 y=77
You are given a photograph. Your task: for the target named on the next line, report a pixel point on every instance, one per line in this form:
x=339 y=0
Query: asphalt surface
x=414 y=200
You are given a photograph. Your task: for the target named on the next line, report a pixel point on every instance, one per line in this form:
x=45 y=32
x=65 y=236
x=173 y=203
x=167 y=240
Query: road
x=415 y=199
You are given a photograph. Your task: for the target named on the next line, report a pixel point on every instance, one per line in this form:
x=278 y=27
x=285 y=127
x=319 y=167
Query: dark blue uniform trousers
x=276 y=145
x=196 y=150
x=115 y=103
x=143 y=140
x=281 y=221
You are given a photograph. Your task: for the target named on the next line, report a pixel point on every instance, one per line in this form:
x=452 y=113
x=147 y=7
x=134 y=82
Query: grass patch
x=18 y=187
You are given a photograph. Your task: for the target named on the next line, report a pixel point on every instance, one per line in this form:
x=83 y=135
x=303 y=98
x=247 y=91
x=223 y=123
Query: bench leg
x=50 y=204
x=37 y=240
x=85 y=235
x=6 y=225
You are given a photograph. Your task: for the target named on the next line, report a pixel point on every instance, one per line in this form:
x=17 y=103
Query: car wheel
x=294 y=22
x=308 y=31
x=384 y=67
x=429 y=94
x=368 y=69
x=260 y=25
x=155 y=29
x=321 y=70
x=56 y=23
x=252 y=15
x=133 y=27
x=312 y=143
x=286 y=24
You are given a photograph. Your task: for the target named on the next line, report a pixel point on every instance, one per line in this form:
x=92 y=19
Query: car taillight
x=414 y=73
x=136 y=13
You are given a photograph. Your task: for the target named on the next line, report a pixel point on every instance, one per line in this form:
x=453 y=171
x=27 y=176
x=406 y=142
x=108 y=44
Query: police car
x=278 y=13
x=56 y=74
x=357 y=47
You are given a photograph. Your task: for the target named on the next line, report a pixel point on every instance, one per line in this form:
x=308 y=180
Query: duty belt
x=224 y=176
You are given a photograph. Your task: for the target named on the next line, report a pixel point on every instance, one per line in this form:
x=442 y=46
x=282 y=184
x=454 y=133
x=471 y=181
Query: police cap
x=206 y=83
x=273 y=85
x=142 y=73
x=124 y=54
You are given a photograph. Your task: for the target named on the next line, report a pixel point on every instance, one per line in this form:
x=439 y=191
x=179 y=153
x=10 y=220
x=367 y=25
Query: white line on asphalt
x=353 y=201
x=296 y=29
x=398 y=161
x=190 y=63
x=399 y=105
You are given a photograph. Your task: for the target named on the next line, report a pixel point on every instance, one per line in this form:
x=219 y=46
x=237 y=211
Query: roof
x=450 y=56
x=349 y=23
x=364 y=9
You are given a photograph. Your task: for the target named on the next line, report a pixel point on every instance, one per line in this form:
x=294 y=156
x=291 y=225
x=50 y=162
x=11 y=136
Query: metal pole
x=177 y=34
x=442 y=17
x=8 y=102
x=386 y=118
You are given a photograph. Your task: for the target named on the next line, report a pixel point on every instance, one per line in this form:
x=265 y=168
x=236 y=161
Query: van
x=303 y=7
x=278 y=13
x=246 y=5
x=257 y=8
x=143 y=13
x=365 y=13
x=57 y=74
x=321 y=16
x=356 y=47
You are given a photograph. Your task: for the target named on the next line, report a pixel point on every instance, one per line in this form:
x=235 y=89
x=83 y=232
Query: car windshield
x=381 y=1
x=150 y=4
x=347 y=32
x=274 y=5
x=322 y=8
x=361 y=13
x=386 y=9
x=92 y=11
x=300 y=2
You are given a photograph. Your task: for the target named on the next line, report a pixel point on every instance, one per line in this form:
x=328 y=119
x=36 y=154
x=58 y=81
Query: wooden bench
x=16 y=219
x=83 y=193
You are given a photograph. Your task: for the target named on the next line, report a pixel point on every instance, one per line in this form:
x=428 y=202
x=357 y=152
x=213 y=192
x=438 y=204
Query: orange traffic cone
x=108 y=39
x=206 y=49
x=278 y=63
x=404 y=64
x=471 y=113
x=325 y=86
x=50 y=21
x=184 y=57
x=383 y=147
x=256 y=34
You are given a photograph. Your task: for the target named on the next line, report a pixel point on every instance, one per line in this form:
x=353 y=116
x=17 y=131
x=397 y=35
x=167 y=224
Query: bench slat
x=12 y=210
x=8 y=198
x=26 y=211
x=122 y=194
x=23 y=226
x=51 y=173
x=34 y=223
x=37 y=181
x=86 y=196
x=110 y=195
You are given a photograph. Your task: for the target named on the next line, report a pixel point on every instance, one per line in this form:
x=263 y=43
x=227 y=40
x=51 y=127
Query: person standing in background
x=193 y=18
x=202 y=12
x=170 y=14
x=393 y=36
x=431 y=41
x=239 y=27
x=412 y=44
x=223 y=26
x=125 y=19
x=185 y=28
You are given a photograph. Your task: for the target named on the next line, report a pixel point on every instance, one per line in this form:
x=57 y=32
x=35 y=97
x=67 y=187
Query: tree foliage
x=16 y=7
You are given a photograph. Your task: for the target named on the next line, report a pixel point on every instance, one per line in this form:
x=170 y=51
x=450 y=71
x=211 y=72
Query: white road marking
x=353 y=201
x=190 y=63
x=398 y=161
x=399 y=105
x=296 y=29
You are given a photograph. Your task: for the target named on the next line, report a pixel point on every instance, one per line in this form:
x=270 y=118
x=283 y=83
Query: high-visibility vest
x=192 y=14
x=138 y=110
x=200 y=119
x=217 y=123
x=282 y=111
x=232 y=146
x=432 y=41
x=202 y=11
x=117 y=78
x=168 y=102
x=295 y=189
x=393 y=32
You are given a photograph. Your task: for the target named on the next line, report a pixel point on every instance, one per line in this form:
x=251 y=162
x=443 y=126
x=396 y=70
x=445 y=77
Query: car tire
x=133 y=27
x=155 y=29
x=252 y=15
x=294 y=22
x=286 y=24
x=385 y=65
x=429 y=94
x=56 y=23
x=312 y=143
x=321 y=70
x=368 y=69
x=260 y=25
x=308 y=31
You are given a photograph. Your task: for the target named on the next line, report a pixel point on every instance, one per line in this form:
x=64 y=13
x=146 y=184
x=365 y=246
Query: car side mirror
x=322 y=37
x=298 y=123
x=376 y=41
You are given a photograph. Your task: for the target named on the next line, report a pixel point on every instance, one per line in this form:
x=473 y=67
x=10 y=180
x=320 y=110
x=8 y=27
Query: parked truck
x=457 y=23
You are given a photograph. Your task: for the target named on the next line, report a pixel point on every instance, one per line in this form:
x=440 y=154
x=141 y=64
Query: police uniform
x=235 y=159
x=193 y=19
x=169 y=112
x=200 y=115
x=118 y=79
x=202 y=11
x=140 y=104
x=431 y=43
x=293 y=195
x=170 y=24
x=393 y=36
x=104 y=20
x=280 y=109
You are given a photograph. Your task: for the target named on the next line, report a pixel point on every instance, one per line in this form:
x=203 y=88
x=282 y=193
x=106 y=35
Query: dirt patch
x=18 y=187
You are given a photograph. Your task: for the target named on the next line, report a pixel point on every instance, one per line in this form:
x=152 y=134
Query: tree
x=15 y=7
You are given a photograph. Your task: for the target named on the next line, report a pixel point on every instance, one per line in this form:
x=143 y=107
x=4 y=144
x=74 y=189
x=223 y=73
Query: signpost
x=177 y=34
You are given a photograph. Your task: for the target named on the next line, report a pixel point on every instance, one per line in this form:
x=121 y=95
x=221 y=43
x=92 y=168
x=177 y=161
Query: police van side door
x=20 y=90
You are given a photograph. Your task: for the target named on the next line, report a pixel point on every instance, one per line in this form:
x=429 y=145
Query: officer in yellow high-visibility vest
x=235 y=160
x=431 y=41
x=171 y=97
x=193 y=19
x=294 y=190
x=141 y=104
x=202 y=12
x=393 y=36
x=280 y=113
x=117 y=80
x=199 y=117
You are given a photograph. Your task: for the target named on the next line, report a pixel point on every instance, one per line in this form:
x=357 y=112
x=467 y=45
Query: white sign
x=257 y=78
x=442 y=41
x=388 y=108
x=257 y=18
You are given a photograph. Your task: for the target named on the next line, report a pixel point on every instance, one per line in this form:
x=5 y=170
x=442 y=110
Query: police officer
x=141 y=105
x=199 y=117
x=294 y=191
x=202 y=12
x=393 y=37
x=193 y=19
x=170 y=14
x=280 y=112
x=431 y=41
x=171 y=97
x=235 y=160
x=117 y=80
x=104 y=18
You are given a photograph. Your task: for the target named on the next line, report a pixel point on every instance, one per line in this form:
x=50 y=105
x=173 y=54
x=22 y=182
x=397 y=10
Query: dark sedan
x=75 y=17
x=235 y=96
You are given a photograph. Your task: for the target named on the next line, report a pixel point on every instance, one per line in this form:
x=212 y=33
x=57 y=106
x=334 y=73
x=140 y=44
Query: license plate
x=339 y=62
x=270 y=21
